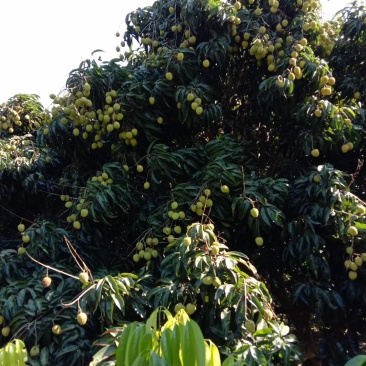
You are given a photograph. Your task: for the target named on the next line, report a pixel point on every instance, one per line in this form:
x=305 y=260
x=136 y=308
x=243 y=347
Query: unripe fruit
x=352 y=230
x=5 y=331
x=317 y=178
x=177 y=229
x=136 y=258
x=180 y=56
x=21 y=228
x=140 y=168
x=249 y=326
x=358 y=261
x=199 y=111
x=190 y=97
x=345 y=148
x=190 y=308
x=2 y=319
x=84 y=212
x=174 y=205
x=154 y=253
x=82 y=318
x=254 y=212
x=25 y=238
x=147 y=256
x=187 y=241
x=56 y=329
x=268 y=314
x=349 y=250
x=34 y=351
x=146 y=185
x=352 y=275
x=216 y=282
x=206 y=63
x=169 y=76
x=353 y=266
x=259 y=240
x=76 y=225
x=215 y=250
x=21 y=250
x=207 y=280
x=178 y=307
x=83 y=277
x=46 y=281
x=314 y=153
x=225 y=189
x=151 y=100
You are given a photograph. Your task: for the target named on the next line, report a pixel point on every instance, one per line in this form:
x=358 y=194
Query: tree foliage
x=215 y=166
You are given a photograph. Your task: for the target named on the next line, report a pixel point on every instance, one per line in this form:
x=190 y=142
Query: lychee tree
x=215 y=166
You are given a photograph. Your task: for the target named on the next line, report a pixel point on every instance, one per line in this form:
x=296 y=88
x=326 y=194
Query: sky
x=43 y=40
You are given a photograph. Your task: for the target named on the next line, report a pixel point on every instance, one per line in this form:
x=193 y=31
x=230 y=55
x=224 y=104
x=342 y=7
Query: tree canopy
x=216 y=165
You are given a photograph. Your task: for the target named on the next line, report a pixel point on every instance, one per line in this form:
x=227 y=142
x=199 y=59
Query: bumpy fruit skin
x=207 y=280
x=83 y=277
x=56 y=329
x=190 y=308
x=34 y=351
x=82 y=318
x=46 y=281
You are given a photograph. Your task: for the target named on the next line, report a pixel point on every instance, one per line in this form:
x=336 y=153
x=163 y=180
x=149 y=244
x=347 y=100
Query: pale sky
x=43 y=40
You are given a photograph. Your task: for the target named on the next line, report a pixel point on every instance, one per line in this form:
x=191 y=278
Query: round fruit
x=178 y=307
x=2 y=319
x=190 y=97
x=314 y=153
x=34 y=351
x=215 y=250
x=46 y=281
x=177 y=229
x=358 y=261
x=171 y=10
x=259 y=240
x=25 y=238
x=268 y=314
x=187 y=241
x=199 y=111
x=254 y=212
x=84 y=212
x=225 y=189
x=349 y=250
x=208 y=280
x=352 y=275
x=151 y=100
x=76 y=225
x=345 y=148
x=180 y=56
x=83 y=277
x=21 y=250
x=216 y=282
x=352 y=230
x=206 y=63
x=136 y=258
x=169 y=76
x=174 y=205
x=154 y=253
x=140 y=168
x=21 y=228
x=353 y=266
x=147 y=256
x=317 y=178
x=190 y=308
x=82 y=318
x=56 y=329
x=5 y=331
x=250 y=326
x=146 y=185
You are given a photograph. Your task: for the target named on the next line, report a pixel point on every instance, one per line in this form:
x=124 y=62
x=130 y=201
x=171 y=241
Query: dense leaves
x=216 y=165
